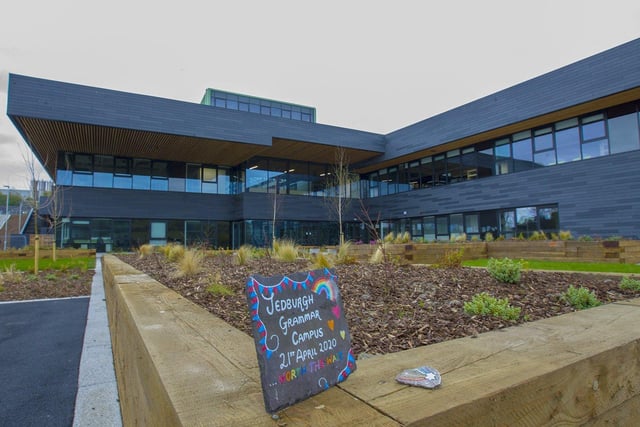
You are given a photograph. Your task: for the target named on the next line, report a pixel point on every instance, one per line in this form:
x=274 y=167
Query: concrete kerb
x=97 y=402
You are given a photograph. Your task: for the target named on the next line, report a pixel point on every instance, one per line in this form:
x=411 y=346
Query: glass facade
x=615 y=130
x=602 y=133
x=252 y=104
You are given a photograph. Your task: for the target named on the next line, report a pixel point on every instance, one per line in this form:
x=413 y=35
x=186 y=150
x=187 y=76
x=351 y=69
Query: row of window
x=613 y=131
x=232 y=101
x=511 y=222
x=261 y=175
x=124 y=234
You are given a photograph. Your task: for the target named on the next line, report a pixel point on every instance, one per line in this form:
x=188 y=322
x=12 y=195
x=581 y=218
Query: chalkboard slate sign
x=302 y=339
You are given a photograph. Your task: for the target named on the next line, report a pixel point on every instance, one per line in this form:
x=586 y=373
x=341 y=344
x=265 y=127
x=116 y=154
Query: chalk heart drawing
x=342 y=333
x=336 y=311
x=331 y=324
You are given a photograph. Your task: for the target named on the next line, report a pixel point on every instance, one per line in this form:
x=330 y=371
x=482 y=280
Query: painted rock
x=424 y=376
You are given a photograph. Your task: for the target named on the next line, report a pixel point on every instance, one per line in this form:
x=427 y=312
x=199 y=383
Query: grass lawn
x=26 y=264
x=601 y=267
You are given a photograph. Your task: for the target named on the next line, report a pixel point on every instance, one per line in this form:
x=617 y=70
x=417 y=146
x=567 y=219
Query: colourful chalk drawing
x=302 y=340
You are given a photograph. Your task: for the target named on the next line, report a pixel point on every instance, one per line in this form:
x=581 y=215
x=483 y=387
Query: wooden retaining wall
x=624 y=251
x=178 y=365
x=47 y=253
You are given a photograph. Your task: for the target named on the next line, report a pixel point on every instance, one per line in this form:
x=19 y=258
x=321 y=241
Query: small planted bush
x=488 y=236
x=580 y=298
x=190 y=263
x=343 y=257
x=565 y=235
x=285 y=250
x=175 y=252
x=145 y=250
x=216 y=288
x=505 y=270
x=483 y=304
x=378 y=256
x=320 y=260
x=244 y=254
x=629 y=284
x=451 y=259
x=538 y=235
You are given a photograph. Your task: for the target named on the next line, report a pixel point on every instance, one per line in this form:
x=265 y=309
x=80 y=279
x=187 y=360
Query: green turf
x=602 y=267
x=26 y=264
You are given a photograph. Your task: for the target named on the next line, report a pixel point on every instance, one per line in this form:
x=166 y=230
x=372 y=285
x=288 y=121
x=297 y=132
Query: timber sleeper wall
x=177 y=364
x=625 y=251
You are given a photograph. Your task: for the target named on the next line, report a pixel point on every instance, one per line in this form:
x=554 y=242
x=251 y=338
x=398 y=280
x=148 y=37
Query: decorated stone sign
x=301 y=335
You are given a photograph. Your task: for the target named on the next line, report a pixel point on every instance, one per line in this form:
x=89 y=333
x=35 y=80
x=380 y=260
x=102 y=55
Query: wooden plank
x=179 y=365
x=551 y=365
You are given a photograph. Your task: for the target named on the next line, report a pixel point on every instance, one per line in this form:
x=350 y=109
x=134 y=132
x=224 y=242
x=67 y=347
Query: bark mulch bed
x=20 y=286
x=389 y=308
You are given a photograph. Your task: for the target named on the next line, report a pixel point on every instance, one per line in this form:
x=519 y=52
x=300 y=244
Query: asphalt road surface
x=40 y=348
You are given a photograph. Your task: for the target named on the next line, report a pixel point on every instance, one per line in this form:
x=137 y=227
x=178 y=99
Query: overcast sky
x=370 y=65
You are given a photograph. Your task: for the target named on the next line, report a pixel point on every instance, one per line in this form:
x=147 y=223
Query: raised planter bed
x=178 y=365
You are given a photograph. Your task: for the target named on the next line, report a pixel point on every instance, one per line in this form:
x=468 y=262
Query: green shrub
x=538 y=235
x=504 y=270
x=488 y=236
x=629 y=284
x=451 y=259
x=565 y=235
x=389 y=238
x=244 y=254
x=580 y=298
x=216 y=288
x=50 y=277
x=585 y=238
x=484 y=304
x=191 y=263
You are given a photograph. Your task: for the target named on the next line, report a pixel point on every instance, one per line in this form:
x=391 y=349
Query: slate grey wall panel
x=113 y=203
x=53 y=100
x=596 y=197
x=606 y=73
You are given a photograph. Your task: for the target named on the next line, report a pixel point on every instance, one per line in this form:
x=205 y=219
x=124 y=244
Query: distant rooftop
x=253 y=104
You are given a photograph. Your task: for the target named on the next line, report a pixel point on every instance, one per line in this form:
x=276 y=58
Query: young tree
x=34 y=201
x=338 y=195
x=56 y=205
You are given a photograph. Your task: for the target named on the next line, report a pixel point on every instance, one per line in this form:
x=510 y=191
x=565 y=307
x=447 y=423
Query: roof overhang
x=55 y=116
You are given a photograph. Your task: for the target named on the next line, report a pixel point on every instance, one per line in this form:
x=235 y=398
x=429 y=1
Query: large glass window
x=440 y=170
x=568 y=141
x=159 y=176
x=544 y=153
x=141 y=174
x=527 y=221
x=623 y=129
x=429 y=229
x=193 y=184
x=257 y=176
x=454 y=171
x=522 y=151
x=103 y=168
x=209 y=180
x=503 y=157
x=426 y=173
x=122 y=176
